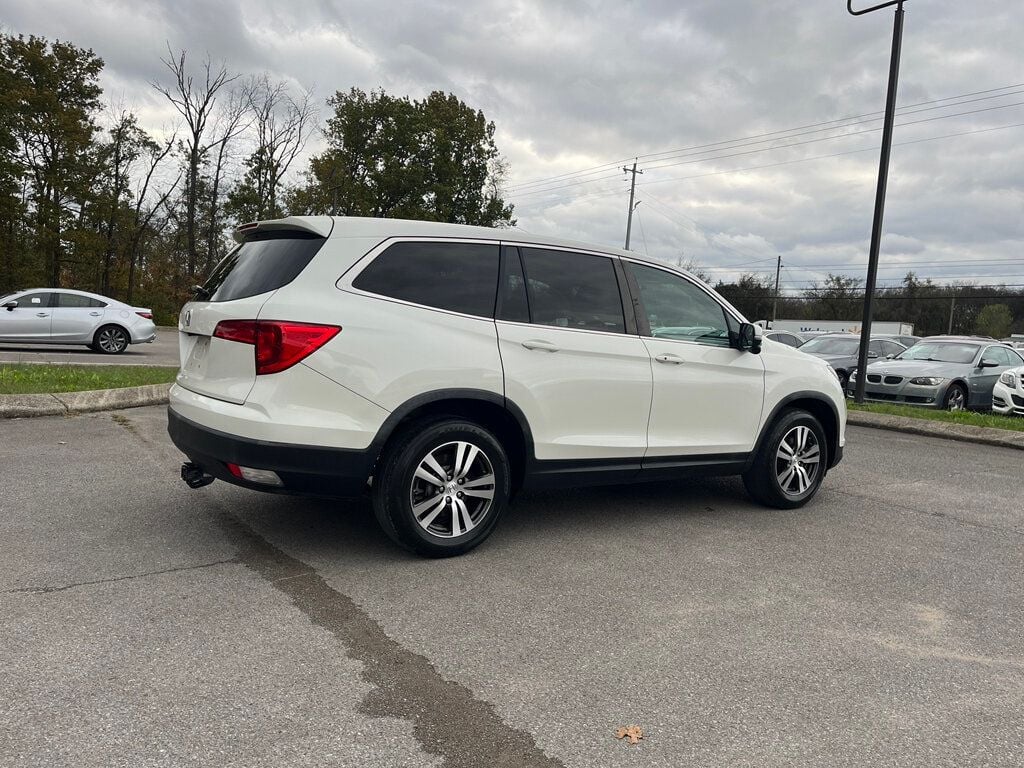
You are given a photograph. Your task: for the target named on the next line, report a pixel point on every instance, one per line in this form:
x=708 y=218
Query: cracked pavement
x=146 y=624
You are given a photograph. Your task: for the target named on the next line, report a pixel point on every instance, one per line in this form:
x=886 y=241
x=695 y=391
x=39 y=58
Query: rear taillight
x=147 y=315
x=279 y=344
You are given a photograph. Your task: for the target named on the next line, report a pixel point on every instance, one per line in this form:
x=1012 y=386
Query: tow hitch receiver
x=194 y=476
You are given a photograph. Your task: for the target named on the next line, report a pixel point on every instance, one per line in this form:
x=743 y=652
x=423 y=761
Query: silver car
x=949 y=373
x=61 y=316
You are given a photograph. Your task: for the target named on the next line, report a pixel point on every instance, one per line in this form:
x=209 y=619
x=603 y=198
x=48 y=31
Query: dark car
x=954 y=373
x=786 y=337
x=906 y=341
x=840 y=350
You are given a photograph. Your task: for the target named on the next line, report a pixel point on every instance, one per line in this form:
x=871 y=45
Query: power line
x=603 y=166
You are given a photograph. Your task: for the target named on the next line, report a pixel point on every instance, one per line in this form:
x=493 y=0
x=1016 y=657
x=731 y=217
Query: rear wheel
x=791 y=463
x=110 y=340
x=441 y=488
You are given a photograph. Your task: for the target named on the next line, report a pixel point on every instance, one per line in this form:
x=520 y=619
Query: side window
x=96 y=303
x=875 y=346
x=34 y=301
x=678 y=309
x=71 y=300
x=573 y=290
x=459 y=277
x=512 y=304
x=998 y=354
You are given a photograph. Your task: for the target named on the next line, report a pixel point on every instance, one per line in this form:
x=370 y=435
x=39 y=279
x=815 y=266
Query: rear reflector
x=261 y=476
x=279 y=344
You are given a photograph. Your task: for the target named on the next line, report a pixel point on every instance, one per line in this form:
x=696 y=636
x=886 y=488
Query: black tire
x=444 y=508
x=844 y=379
x=110 y=340
x=955 y=394
x=764 y=478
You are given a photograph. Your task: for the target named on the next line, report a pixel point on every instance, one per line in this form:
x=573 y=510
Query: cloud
x=580 y=85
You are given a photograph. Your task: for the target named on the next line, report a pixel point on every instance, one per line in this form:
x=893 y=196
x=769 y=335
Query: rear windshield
x=941 y=352
x=265 y=262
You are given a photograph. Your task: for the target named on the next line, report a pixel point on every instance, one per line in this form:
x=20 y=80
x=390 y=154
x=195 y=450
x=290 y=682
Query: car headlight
x=927 y=381
x=1008 y=379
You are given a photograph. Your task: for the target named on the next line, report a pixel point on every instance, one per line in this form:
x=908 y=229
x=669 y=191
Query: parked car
x=62 y=316
x=906 y=341
x=942 y=372
x=785 y=337
x=443 y=367
x=1008 y=393
x=841 y=351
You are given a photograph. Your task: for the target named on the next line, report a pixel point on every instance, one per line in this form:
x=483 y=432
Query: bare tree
x=143 y=216
x=230 y=123
x=195 y=99
x=282 y=124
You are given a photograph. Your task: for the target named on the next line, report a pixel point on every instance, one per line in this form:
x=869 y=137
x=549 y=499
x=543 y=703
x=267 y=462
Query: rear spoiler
x=317 y=225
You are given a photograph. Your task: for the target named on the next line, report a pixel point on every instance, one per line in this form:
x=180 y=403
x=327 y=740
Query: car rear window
x=459 y=277
x=264 y=262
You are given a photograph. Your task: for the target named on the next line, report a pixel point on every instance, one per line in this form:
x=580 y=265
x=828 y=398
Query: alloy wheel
x=955 y=401
x=798 y=461
x=452 y=489
x=112 y=340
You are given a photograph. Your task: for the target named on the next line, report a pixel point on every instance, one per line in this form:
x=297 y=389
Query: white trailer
x=839 y=326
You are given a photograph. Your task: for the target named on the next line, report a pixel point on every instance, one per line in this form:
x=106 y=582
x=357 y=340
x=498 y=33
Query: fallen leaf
x=632 y=732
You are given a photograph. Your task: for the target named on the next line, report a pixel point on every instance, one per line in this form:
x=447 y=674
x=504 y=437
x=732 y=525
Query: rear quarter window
x=458 y=277
x=265 y=262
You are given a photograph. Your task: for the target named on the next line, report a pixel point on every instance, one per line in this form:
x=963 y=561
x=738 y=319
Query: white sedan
x=61 y=316
x=1008 y=393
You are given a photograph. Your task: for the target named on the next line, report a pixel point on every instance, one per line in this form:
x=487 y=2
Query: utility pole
x=775 y=302
x=952 y=306
x=632 y=190
x=883 y=177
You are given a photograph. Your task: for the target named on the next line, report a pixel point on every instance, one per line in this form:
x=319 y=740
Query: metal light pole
x=883 y=176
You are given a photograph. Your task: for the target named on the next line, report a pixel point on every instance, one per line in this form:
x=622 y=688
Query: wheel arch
x=814 y=403
x=488 y=409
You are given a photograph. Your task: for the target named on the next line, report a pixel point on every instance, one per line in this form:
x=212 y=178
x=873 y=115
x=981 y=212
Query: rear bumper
x=303 y=469
x=142 y=332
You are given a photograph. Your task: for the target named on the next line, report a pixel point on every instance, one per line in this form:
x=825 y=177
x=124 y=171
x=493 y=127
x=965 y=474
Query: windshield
x=940 y=352
x=824 y=345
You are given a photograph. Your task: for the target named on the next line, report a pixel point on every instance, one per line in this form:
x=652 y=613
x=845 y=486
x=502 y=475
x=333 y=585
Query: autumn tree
x=994 y=320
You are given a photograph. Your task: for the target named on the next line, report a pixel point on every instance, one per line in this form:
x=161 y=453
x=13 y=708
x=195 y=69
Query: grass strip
x=971 y=418
x=28 y=379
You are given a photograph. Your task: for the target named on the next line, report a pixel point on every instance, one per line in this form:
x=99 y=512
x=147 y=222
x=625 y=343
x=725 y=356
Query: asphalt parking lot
x=146 y=624
x=163 y=351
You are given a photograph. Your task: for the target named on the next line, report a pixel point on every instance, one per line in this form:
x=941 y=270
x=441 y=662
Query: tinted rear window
x=261 y=264
x=460 y=277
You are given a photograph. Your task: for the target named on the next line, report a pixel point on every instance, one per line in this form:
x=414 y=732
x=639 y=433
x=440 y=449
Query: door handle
x=670 y=359
x=540 y=344
x=42 y=314
x=95 y=314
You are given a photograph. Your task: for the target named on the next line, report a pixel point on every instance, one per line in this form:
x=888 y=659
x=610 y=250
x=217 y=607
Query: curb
x=1002 y=438
x=69 y=403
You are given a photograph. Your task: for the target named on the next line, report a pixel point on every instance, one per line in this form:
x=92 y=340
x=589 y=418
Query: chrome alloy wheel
x=798 y=461
x=955 y=400
x=112 y=340
x=452 y=489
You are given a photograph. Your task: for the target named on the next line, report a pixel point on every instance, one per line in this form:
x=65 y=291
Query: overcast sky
x=576 y=89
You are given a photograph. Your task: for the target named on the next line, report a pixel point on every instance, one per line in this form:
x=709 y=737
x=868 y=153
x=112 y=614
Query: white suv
x=444 y=367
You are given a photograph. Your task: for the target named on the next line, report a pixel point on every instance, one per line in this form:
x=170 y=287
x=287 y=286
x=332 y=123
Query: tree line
x=92 y=199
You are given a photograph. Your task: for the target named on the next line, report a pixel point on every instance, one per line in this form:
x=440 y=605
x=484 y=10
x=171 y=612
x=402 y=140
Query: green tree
x=994 y=320
x=51 y=99
x=390 y=156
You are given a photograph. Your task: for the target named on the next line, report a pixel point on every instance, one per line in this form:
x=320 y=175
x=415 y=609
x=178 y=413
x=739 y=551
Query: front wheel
x=791 y=463
x=955 y=399
x=442 y=487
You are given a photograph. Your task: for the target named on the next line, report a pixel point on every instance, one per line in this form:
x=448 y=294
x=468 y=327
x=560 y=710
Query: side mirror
x=10 y=305
x=749 y=338
x=988 y=364
x=872 y=354
x=890 y=357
